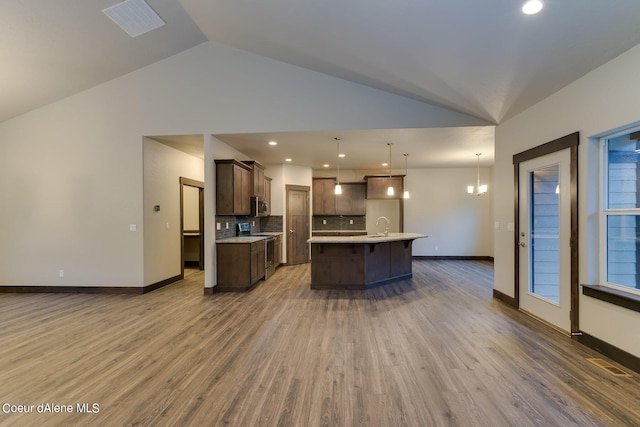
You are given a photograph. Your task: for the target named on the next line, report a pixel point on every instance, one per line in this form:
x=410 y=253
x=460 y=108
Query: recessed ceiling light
x=385 y=164
x=273 y=143
x=326 y=165
x=135 y=17
x=287 y=159
x=341 y=155
x=532 y=7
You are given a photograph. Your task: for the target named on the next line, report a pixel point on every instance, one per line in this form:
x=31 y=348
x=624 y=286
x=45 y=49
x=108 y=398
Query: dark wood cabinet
x=267 y=193
x=257 y=261
x=277 y=247
x=352 y=200
x=240 y=265
x=233 y=185
x=324 y=199
x=257 y=178
x=377 y=186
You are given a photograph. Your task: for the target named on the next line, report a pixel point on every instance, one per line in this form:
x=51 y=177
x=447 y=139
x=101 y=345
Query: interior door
x=297 y=231
x=544 y=240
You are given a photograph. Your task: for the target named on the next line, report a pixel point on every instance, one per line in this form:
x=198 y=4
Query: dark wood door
x=297 y=224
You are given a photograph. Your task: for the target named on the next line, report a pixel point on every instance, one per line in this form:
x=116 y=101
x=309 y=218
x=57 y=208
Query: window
x=620 y=216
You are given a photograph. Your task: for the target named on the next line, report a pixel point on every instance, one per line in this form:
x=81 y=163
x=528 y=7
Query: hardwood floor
x=435 y=350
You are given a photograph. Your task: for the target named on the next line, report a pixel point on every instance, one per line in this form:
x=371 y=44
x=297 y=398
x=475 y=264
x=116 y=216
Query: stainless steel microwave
x=259 y=206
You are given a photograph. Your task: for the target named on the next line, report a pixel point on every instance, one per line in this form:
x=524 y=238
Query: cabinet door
x=257 y=261
x=267 y=193
x=241 y=198
x=277 y=247
x=324 y=199
x=377 y=187
x=352 y=200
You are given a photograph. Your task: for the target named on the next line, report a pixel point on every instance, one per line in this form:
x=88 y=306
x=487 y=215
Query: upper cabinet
x=324 y=200
x=352 y=200
x=377 y=186
x=233 y=188
x=267 y=193
x=257 y=178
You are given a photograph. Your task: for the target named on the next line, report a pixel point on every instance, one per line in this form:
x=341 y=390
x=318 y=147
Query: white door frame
x=571 y=142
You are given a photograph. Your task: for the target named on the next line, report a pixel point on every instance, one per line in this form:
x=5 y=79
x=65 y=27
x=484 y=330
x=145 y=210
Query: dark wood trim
x=191 y=182
x=567 y=141
x=454 y=257
x=511 y=301
x=612 y=296
x=622 y=357
x=89 y=289
x=162 y=283
x=516 y=233
x=574 y=242
x=634 y=136
x=571 y=142
x=71 y=290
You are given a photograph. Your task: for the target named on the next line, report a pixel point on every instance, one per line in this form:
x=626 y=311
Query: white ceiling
x=483 y=58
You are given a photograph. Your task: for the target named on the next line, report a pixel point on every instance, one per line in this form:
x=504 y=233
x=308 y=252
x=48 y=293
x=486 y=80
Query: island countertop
x=370 y=238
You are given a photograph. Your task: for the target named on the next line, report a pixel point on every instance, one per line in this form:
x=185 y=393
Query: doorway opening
x=191 y=224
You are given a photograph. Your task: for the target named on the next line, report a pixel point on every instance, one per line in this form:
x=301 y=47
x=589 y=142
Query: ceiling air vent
x=135 y=17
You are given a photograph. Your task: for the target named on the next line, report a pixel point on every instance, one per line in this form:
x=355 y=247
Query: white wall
x=603 y=100
x=71 y=173
x=457 y=223
x=163 y=167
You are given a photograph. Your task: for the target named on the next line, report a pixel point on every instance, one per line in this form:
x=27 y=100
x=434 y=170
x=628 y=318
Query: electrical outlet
x=61 y=273
x=227 y=225
x=218 y=227
x=324 y=222
x=166 y=225
x=351 y=222
x=437 y=248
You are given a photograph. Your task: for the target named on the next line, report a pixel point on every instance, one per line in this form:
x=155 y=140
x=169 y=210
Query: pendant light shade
x=478 y=190
x=405 y=195
x=390 y=191
x=338 y=188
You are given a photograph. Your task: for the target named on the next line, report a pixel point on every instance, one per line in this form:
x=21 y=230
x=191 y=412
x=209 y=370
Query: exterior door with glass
x=544 y=240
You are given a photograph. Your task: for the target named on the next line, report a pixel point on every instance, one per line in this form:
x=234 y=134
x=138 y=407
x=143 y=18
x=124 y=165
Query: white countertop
x=378 y=238
x=251 y=238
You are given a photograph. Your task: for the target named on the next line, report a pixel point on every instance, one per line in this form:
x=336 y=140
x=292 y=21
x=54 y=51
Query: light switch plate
x=510 y=227
x=133 y=227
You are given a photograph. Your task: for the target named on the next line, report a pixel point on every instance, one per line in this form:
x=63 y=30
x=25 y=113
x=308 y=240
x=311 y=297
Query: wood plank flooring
x=435 y=350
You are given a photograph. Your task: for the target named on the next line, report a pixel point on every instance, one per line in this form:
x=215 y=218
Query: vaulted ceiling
x=483 y=58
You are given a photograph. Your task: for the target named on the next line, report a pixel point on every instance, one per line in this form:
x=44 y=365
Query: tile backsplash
x=339 y=222
x=268 y=223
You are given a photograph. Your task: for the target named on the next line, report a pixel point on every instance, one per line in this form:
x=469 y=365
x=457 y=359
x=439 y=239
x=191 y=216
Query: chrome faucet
x=386 y=229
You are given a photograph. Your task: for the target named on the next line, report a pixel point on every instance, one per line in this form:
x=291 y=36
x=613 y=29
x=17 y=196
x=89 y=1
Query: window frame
x=605 y=212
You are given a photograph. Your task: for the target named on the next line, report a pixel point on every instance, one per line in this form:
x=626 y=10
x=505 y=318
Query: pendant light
x=338 y=188
x=405 y=195
x=479 y=190
x=390 y=191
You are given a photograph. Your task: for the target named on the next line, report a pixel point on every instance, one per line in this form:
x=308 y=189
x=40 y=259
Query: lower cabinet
x=277 y=256
x=240 y=265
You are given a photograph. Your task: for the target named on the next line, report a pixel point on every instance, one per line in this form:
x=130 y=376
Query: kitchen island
x=360 y=262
